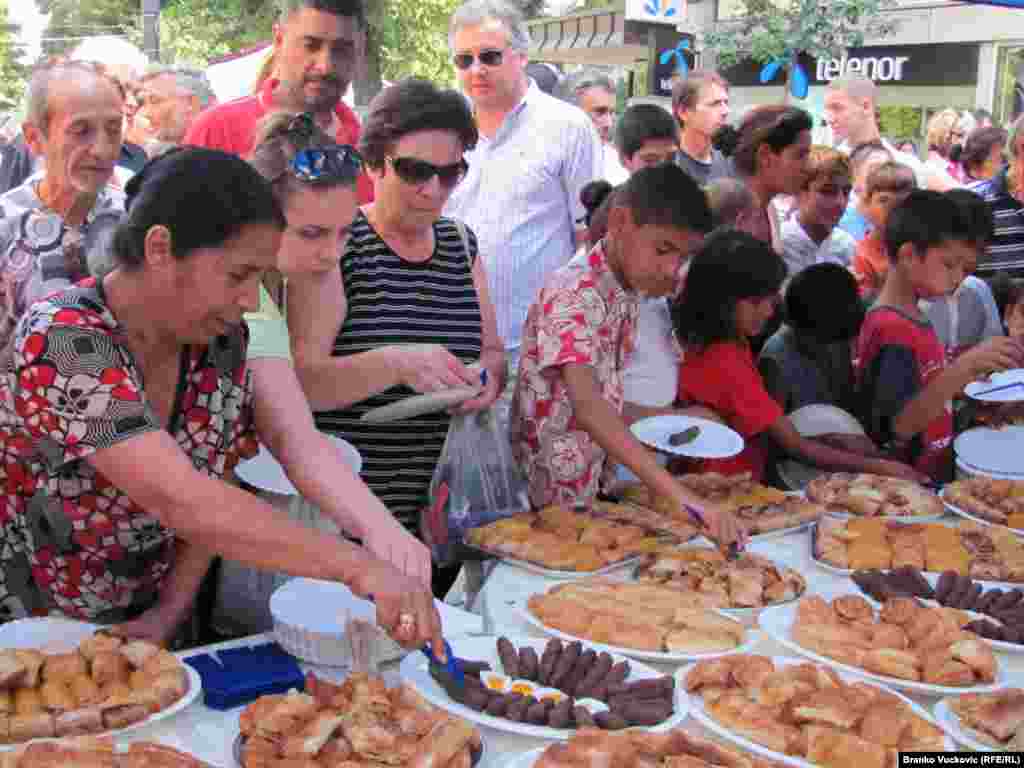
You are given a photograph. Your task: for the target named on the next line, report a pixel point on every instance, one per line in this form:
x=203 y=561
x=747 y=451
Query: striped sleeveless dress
x=392 y=301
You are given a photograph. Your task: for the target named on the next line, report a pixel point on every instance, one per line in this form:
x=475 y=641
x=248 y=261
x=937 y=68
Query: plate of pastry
x=904 y=644
x=688 y=436
x=104 y=686
x=991 y=553
x=988 y=501
x=100 y=752
x=642 y=621
x=394 y=725
x=833 y=718
x=740 y=586
x=985 y=722
x=845 y=494
x=609 y=748
x=563 y=543
x=548 y=689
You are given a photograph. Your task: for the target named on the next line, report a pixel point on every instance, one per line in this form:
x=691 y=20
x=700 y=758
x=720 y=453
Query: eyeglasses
x=338 y=162
x=412 y=170
x=489 y=58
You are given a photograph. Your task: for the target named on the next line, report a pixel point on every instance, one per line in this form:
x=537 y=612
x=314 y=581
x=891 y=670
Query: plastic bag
x=476 y=482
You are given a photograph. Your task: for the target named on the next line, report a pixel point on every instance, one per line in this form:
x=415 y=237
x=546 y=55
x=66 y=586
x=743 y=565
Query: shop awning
x=591 y=37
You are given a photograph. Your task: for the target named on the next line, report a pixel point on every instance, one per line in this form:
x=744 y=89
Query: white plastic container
x=997 y=453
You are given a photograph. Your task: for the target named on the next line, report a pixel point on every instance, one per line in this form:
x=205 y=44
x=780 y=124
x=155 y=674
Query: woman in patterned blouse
x=127 y=399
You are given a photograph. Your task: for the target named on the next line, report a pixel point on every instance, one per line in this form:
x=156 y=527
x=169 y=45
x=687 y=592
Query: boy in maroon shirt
x=906 y=387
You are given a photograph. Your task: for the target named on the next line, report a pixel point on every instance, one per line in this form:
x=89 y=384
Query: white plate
x=968 y=516
x=950 y=723
x=49 y=634
x=195 y=687
x=525 y=759
x=658 y=656
x=699 y=713
x=414 y=670
x=264 y=473
x=1002 y=378
x=564 y=575
x=984 y=449
x=715 y=441
x=778 y=623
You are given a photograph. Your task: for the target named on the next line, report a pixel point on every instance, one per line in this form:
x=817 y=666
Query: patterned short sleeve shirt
x=72 y=540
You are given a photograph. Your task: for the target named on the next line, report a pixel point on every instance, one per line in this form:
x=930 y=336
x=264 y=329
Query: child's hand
x=901 y=470
x=999 y=353
x=724 y=529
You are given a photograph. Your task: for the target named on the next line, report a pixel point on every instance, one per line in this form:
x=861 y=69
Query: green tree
x=195 y=32
x=768 y=31
x=13 y=70
x=73 y=20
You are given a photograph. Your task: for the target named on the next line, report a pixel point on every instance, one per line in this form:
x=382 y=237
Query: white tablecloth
x=209 y=734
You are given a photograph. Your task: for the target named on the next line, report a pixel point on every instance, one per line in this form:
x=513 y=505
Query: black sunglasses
x=414 y=171
x=487 y=58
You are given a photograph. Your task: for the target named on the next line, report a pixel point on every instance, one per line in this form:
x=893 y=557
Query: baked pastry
x=643 y=616
x=93 y=752
x=996 y=718
x=988 y=498
x=865 y=495
x=762 y=509
x=107 y=685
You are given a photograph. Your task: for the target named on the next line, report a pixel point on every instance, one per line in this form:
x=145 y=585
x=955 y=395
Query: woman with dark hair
x=771 y=157
x=126 y=401
x=983 y=153
x=407 y=276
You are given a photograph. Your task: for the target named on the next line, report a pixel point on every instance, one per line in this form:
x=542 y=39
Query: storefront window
x=1009 y=100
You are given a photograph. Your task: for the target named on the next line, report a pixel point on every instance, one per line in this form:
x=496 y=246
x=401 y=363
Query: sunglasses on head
x=414 y=171
x=338 y=162
x=487 y=58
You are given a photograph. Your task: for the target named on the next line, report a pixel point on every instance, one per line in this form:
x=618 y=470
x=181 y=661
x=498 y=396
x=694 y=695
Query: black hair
x=203 y=196
x=979 y=145
x=822 y=301
x=351 y=8
x=731 y=265
x=725 y=140
x=410 y=106
x=665 y=196
x=643 y=122
x=776 y=125
x=863 y=151
x=924 y=220
x=981 y=225
x=594 y=196
x=1007 y=291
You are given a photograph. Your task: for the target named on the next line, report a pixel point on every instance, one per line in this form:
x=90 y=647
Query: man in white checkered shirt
x=535 y=154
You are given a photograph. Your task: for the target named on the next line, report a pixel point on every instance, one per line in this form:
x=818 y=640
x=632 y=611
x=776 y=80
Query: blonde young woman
x=944 y=133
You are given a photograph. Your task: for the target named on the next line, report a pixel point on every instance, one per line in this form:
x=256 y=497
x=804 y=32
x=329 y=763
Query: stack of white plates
x=995 y=453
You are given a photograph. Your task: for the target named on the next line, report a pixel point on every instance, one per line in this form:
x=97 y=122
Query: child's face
x=753 y=313
x=651 y=258
x=823 y=202
x=940 y=269
x=879 y=203
x=651 y=153
x=1014 y=319
x=860 y=180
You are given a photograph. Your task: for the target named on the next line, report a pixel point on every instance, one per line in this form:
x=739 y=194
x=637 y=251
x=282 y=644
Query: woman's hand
x=431 y=368
x=485 y=399
x=405 y=607
x=725 y=530
x=155 y=625
x=392 y=543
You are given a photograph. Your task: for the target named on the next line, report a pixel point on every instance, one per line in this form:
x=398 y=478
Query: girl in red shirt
x=731 y=291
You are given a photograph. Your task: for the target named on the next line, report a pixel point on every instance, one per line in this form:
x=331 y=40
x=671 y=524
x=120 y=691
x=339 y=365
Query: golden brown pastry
x=122 y=711
x=977 y=655
x=36 y=726
x=85 y=691
x=27 y=701
x=138 y=652
x=64 y=666
x=33 y=661
x=12 y=670
x=838 y=749
x=79 y=722
x=101 y=642
x=893 y=663
x=110 y=667
x=853 y=608
x=826 y=708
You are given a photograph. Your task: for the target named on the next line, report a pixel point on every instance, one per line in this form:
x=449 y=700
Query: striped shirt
x=522 y=198
x=393 y=301
x=1006 y=250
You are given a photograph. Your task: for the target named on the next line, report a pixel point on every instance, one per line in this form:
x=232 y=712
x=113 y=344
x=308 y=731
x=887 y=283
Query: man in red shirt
x=317 y=47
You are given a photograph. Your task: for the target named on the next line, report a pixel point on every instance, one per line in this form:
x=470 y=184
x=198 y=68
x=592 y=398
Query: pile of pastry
x=750 y=581
x=905 y=639
x=996 y=719
x=998 y=501
x=865 y=495
x=808 y=711
x=643 y=617
x=361 y=721
x=568 y=686
x=562 y=539
x=761 y=508
x=971 y=549
x=639 y=749
x=103 y=685
x=97 y=752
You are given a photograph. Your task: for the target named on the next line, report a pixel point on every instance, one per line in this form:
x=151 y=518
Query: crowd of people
x=183 y=280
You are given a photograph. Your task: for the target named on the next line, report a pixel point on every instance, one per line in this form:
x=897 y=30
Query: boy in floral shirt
x=567 y=426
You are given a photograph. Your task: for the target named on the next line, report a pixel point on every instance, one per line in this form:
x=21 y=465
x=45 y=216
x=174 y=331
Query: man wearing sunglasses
x=317 y=46
x=521 y=193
